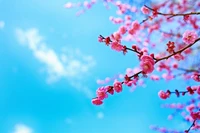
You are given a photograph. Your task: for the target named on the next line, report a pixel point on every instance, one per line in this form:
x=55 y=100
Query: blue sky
x=50 y=61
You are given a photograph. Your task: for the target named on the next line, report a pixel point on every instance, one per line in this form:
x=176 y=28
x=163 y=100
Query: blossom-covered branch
x=172 y=14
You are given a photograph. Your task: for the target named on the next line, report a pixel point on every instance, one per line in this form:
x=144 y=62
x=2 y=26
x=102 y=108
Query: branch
x=187 y=70
x=172 y=14
x=193 y=124
x=179 y=51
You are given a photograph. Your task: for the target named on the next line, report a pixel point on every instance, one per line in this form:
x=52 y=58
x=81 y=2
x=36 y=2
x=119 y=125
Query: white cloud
x=70 y=64
x=100 y=115
x=21 y=128
x=2 y=24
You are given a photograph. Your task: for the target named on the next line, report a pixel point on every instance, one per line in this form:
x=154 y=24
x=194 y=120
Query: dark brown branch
x=193 y=124
x=172 y=14
x=179 y=51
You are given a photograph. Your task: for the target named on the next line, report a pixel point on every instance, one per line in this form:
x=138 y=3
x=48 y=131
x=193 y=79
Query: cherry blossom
x=163 y=95
x=164 y=37
x=117 y=86
x=189 y=37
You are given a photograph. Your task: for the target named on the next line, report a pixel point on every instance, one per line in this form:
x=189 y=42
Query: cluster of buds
x=190 y=89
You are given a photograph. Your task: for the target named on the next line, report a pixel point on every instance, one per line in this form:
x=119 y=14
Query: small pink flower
x=186 y=17
x=122 y=30
x=87 y=4
x=97 y=101
x=107 y=40
x=145 y=10
x=196 y=77
x=162 y=130
x=178 y=57
x=131 y=31
x=170 y=47
x=195 y=115
x=190 y=107
x=116 y=46
x=189 y=37
x=117 y=86
x=163 y=95
x=154 y=77
x=131 y=82
x=147 y=67
x=144 y=50
x=101 y=93
x=147 y=64
x=190 y=90
x=93 y=1
x=198 y=90
x=175 y=65
x=136 y=25
x=100 y=39
x=167 y=76
x=68 y=5
x=117 y=36
x=128 y=17
x=109 y=89
x=147 y=58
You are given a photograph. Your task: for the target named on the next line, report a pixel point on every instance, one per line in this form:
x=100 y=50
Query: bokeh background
x=50 y=60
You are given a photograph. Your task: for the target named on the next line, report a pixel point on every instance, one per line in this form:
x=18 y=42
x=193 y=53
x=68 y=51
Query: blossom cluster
x=164 y=42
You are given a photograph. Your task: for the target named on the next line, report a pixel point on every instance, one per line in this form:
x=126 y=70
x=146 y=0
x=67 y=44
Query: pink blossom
x=198 y=90
x=195 y=115
x=93 y=1
x=196 y=126
x=190 y=107
x=170 y=47
x=68 y=5
x=145 y=10
x=144 y=50
x=196 y=77
x=178 y=57
x=116 y=46
x=131 y=31
x=136 y=25
x=186 y=17
x=96 y=101
x=147 y=67
x=133 y=9
x=100 y=39
x=117 y=86
x=190 y=90
x=87 y=4
x=175 y=65
x=154 y=77
x=147 y=58
x=101 y=93
x=110 y=89
x=128 y=17
x=117 y=36
x=163 y=130
x=147 y=64
x=167 y=76
x=127 y=23
x=131 y=82
x=111 y=18
x=189 y=37
x=107 y=40
x=122 y=30
x=163 y=95
x=129 y=72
